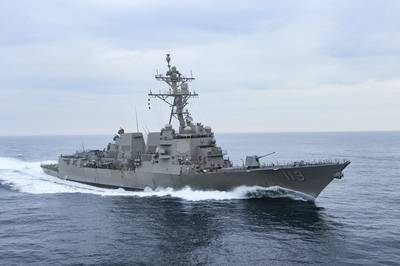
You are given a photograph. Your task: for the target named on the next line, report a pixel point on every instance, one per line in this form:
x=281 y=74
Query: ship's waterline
x=310 y=179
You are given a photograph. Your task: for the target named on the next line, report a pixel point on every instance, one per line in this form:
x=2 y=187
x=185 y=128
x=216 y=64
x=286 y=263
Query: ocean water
x=355 y=221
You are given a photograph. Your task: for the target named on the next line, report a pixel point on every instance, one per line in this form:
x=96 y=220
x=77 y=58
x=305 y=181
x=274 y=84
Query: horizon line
x=254 y=132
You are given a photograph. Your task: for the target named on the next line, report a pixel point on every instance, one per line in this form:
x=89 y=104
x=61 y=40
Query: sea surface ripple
x=355 y=221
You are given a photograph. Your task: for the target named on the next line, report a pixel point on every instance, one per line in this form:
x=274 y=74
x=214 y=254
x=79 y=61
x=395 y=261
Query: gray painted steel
x=186 y=157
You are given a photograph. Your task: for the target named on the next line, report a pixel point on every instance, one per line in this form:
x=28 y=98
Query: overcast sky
x=81 y=66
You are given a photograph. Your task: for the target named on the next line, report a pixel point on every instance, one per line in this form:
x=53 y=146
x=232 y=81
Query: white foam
x=28 y=177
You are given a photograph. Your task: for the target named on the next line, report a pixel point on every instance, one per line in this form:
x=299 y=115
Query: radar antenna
x=178 y=95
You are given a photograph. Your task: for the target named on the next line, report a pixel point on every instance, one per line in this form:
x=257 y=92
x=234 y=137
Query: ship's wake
x=28 y=177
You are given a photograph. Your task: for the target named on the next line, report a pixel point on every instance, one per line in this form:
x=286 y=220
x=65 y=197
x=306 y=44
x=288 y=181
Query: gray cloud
x=62 y=60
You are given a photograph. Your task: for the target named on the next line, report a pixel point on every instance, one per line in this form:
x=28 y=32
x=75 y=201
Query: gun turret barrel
x=265 y=155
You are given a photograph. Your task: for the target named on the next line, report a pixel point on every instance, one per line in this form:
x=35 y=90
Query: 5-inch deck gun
x=253 y=161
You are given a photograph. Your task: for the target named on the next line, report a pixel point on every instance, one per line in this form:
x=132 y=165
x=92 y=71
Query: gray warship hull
x=309 y=178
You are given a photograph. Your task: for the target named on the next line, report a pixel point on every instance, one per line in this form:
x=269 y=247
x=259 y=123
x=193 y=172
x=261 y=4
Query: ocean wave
x=28 y=177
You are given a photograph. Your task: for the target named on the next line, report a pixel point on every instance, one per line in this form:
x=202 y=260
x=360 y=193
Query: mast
x=137 y=123
x=178 y=95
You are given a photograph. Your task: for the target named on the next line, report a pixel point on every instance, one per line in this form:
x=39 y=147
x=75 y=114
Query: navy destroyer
x=185 y=156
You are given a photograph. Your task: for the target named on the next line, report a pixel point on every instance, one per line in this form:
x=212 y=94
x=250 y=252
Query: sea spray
x=28 y=177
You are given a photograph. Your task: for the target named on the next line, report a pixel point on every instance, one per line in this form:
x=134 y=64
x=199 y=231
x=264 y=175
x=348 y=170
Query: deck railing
x=300 y=163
